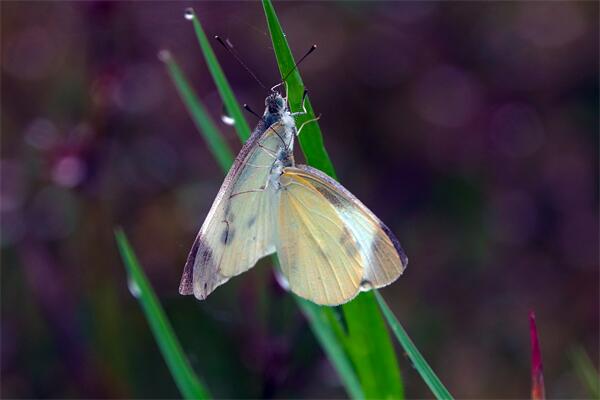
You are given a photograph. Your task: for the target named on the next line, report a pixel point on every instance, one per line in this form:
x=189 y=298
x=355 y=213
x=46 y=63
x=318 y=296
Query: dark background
x=471 y=129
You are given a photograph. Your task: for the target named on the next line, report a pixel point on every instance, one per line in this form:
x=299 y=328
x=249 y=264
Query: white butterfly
x=330 y=246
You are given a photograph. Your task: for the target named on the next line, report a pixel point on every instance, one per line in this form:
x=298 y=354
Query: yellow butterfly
x=330 y=246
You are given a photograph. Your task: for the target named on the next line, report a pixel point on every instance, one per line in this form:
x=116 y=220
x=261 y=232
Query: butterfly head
x=275 y=104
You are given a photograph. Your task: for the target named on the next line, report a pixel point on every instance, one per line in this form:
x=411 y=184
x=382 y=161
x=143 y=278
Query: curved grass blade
x=185 y=379
x=231 y=104
x=311 y=139
x=430 y=378
x=318 y=318
x=204 y=123
x=376 y=362
x=368 y=343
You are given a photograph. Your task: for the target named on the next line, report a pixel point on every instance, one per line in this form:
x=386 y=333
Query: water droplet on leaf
x=227 y=120
x=281 y=280
x=189 y=14
x=164 y=55
x=365 y=286
x=134 y=288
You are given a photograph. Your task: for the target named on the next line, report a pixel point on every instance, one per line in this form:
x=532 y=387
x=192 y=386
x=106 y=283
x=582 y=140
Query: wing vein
x=312 y=239
x=312 y=228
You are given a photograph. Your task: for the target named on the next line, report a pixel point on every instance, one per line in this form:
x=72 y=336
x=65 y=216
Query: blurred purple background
x=471 y=129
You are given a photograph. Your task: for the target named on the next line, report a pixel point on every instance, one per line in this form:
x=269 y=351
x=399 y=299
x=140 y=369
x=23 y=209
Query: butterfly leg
x=304 y=98
x=284 y=84
x=307 y=122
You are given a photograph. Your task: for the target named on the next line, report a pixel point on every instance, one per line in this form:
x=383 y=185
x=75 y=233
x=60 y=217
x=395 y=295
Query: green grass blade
x=311 y=139
x=187 y=382
x=378 y=368
x=586 y=371
x=216 y=143
x=322 y=328
x=362 y=315
x=231 y=104
x=430 y=378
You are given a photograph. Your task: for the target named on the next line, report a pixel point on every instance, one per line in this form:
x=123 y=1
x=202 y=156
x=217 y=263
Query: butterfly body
x=330 y=246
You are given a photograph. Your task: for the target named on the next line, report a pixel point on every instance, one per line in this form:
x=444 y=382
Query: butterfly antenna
x=251 y=111
x=312 y=48
x=229 y=47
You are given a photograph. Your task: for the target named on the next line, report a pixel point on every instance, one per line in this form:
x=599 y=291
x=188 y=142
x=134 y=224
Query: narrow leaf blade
x=311 y=139
x=377 y=364
x=361 y=313
x=215 y=141
x=185 y=379
x=231 y=103
x=321 y=327
x=430 y=378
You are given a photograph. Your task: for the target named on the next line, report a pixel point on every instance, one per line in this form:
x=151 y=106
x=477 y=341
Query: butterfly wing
x=238 y=229
x=329 y=244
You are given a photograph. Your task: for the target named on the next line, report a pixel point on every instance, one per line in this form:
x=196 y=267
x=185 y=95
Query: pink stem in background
x=538 y=391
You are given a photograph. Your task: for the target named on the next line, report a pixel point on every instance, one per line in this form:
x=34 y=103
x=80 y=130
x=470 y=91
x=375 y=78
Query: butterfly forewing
x=238 y=230
x=329 y=244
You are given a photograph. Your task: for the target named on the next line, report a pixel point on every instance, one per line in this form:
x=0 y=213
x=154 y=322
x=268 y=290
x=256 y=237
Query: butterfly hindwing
x=329 y=244
x=238 y=230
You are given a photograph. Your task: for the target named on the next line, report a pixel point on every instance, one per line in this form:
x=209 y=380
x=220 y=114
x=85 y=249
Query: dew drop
x=134 y=288
x=365 y=286
x=227 y=120
x=164 y=55
x=281 y=280
x=189 y=14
